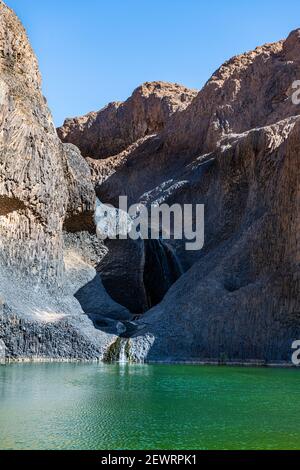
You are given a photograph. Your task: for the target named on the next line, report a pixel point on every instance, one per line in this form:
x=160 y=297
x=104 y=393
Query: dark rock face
x=42 y=182
x=249 y=91
x=45 y=186
x=90 y=297
x=161 y=270
x=122 y=271
x=240 y=295
x=137 y=273
x=240 y=300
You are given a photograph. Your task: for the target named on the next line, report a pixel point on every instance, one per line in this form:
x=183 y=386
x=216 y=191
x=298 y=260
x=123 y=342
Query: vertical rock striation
x=32 y=190
x=45 y=189
x=233 y=147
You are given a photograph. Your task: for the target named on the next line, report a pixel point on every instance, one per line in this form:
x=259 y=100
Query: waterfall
x=119 y=351
x=162 y=269
x=122 y=351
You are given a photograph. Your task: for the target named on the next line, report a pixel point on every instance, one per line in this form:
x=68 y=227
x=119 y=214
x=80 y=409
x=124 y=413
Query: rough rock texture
x=161 y=270
x=249 y=91
x=122 y=273
x=42 y=182
x=234 y=147
x=45 y=186
x=241 y=300
x=112 y=129
x=32 y=192
x=2 y=352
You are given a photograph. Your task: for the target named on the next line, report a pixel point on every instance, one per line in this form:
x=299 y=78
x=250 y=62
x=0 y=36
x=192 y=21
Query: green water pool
x=80 y=406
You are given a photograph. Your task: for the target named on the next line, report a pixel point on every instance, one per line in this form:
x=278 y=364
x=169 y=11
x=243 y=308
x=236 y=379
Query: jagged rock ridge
x=118 y=125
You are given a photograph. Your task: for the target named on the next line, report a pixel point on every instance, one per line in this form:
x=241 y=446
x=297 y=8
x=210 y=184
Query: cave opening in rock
x=80 y=222
x=162 y=269
x=138 y=274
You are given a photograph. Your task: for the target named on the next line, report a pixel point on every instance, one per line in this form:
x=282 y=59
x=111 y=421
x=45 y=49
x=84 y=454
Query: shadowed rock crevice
x=10 y=204
x=142 y=284
x=79 y=223
x=161 y=271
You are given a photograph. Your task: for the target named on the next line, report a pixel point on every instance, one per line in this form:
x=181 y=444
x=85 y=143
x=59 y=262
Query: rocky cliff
x=240 y=298
x=47 y=247
x=234 y=146
x=114 y=128
x=33 y=201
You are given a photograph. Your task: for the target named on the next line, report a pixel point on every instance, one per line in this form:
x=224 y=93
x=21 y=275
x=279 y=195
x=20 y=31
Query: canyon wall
x=233 y=146
x=235 y=149
x=48 y=246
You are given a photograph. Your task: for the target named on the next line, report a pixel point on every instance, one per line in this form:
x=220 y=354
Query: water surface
x=69 y=406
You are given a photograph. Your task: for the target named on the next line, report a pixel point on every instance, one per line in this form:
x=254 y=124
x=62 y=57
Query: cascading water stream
x=122 y=351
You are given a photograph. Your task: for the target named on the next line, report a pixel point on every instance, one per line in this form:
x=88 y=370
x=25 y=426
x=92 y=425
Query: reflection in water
x=121 y=406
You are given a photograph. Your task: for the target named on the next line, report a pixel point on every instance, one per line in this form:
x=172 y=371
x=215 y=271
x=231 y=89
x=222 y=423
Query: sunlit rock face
x=122 y=267
x=45 y=188
x=114 y=128
x=32 y=188
x=42 y=182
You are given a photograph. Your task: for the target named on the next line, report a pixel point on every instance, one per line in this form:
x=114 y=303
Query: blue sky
x=95 y=51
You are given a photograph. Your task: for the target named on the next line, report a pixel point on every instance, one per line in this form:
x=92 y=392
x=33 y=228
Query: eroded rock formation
x=233 y=147
x=45 y=187
x=240 y=300
x=114 y=128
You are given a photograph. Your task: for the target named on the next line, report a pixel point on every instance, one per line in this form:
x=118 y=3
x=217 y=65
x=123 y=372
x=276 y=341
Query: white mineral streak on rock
x=3 y=93
x=111 y=222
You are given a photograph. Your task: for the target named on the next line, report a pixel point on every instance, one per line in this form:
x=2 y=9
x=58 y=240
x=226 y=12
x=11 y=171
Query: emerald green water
x=69 y=406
